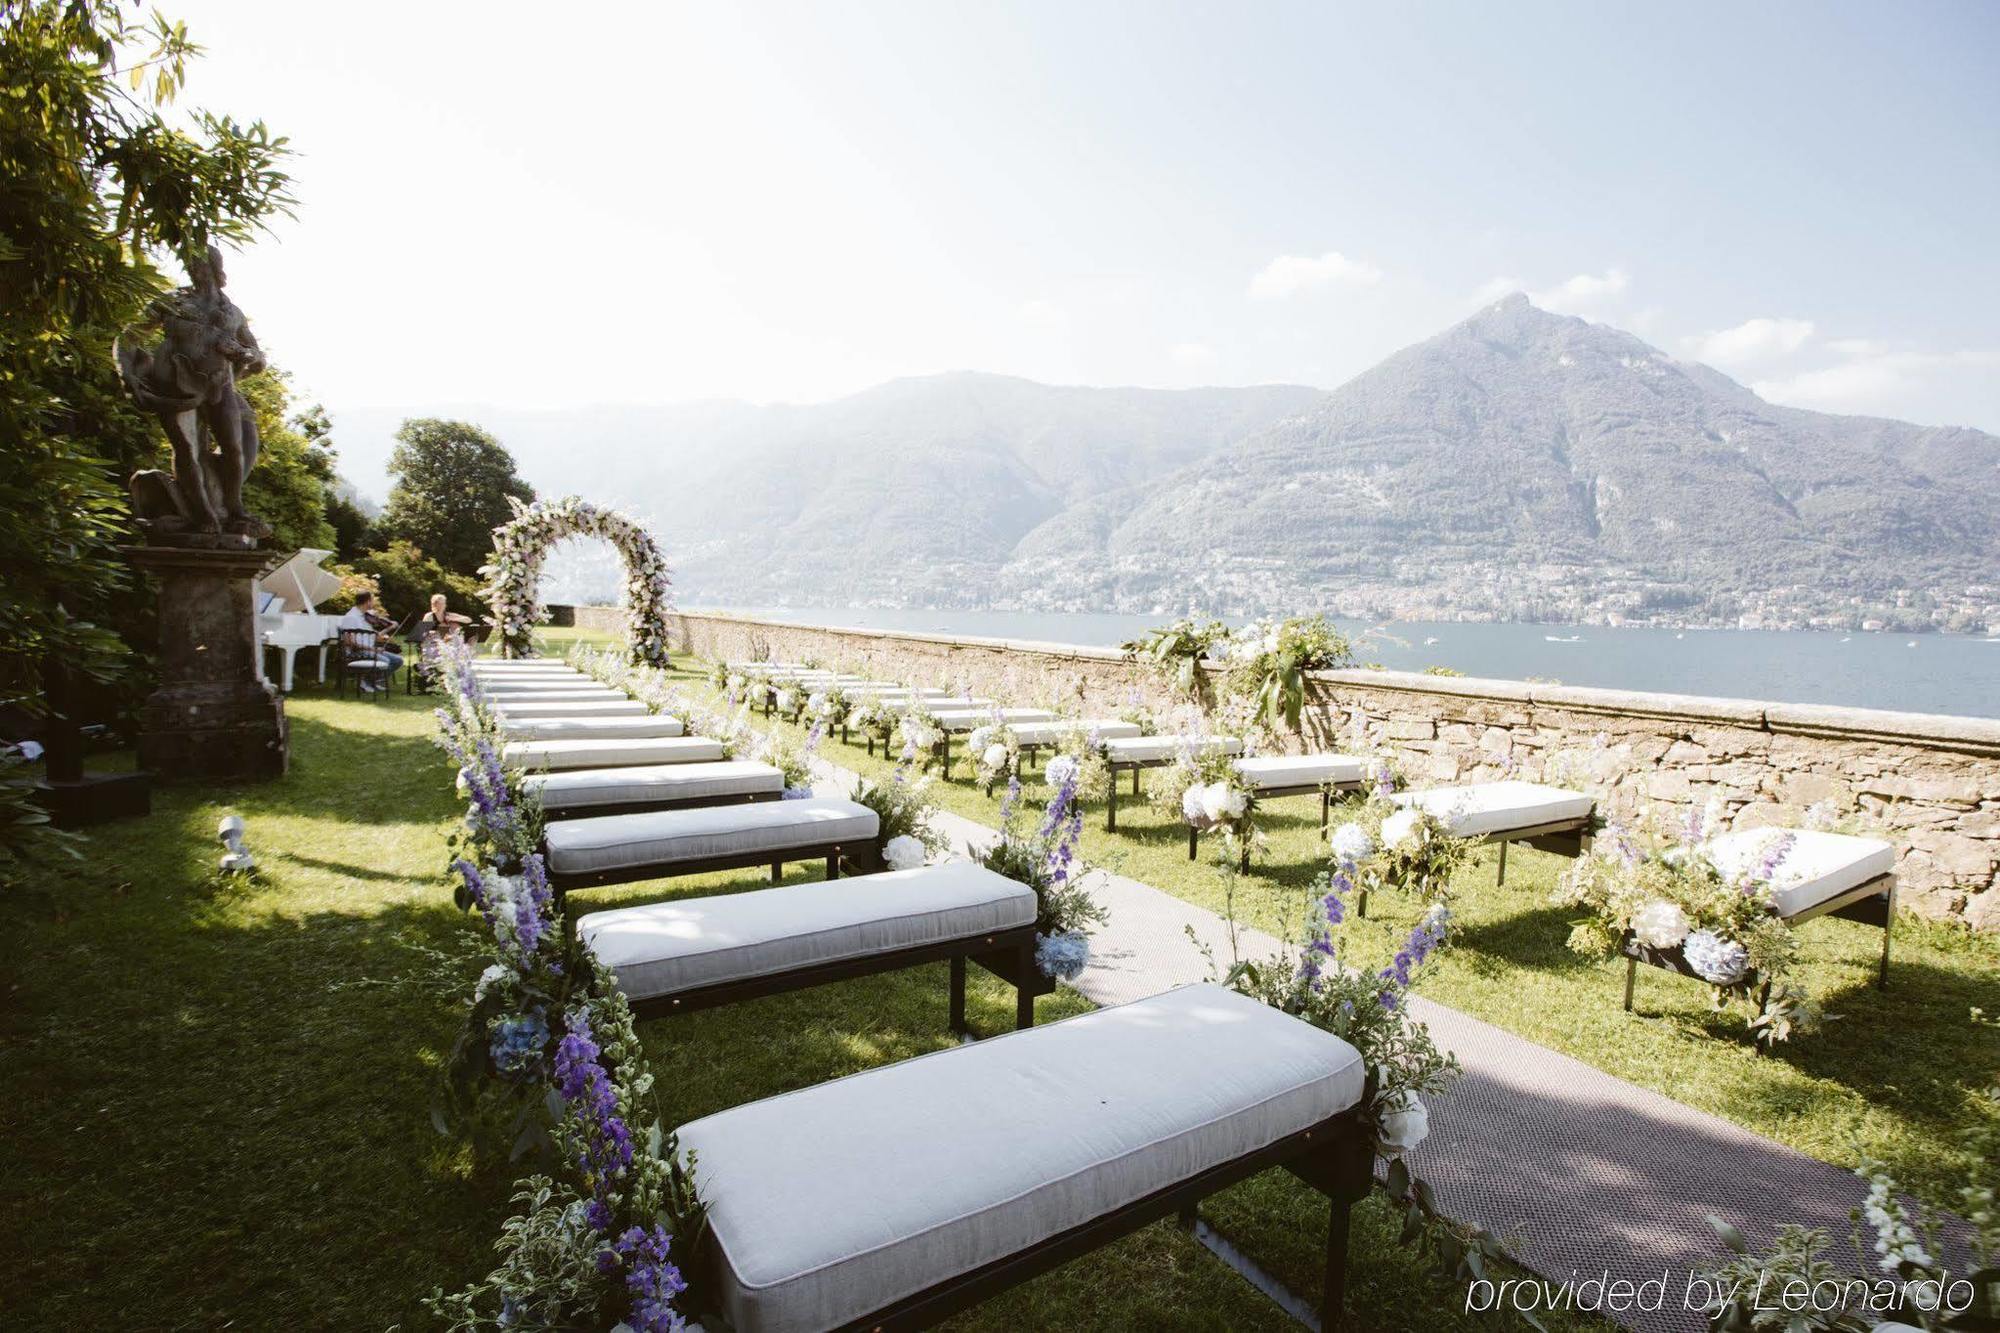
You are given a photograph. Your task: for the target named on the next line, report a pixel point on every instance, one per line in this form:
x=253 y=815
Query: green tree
x=404 y=578
x=288 y=487
x=453 y=481
x=96 y=187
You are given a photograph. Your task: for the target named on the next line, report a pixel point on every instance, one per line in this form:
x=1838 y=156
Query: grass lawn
x=218 y=1092
x=1897 y=1074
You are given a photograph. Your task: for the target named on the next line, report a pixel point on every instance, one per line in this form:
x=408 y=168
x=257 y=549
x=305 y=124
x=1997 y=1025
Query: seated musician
x=437 y=620
x=364 y=627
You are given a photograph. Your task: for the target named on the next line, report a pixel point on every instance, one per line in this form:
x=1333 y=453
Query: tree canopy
x=97 y=188
x=452 y=484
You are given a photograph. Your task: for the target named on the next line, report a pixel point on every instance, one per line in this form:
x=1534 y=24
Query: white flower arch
x=514 y=575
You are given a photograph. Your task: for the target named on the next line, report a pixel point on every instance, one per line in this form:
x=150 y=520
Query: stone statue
x=189 y=382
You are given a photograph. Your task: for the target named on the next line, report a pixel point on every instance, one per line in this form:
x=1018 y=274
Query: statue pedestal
x=214 y=718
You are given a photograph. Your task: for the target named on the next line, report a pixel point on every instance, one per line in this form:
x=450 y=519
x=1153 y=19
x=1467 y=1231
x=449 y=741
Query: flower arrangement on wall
x=514 y=574
x=1175 y=653
x=1268 y=661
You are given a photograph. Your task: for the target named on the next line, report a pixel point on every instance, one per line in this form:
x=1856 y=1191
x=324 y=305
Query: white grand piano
x=287 y=617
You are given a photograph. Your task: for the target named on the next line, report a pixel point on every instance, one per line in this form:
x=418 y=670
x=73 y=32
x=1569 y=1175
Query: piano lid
x=300 y=584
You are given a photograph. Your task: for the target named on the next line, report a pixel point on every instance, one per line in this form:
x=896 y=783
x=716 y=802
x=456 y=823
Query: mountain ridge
x=1516 y=465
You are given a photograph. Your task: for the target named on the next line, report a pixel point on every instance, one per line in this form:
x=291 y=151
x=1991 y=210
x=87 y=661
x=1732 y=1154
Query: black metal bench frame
x=1335 y=1157
x=562 y=883
x=1008 y=954
x=1872 y=903
x=650 y=807
x=1564 y=837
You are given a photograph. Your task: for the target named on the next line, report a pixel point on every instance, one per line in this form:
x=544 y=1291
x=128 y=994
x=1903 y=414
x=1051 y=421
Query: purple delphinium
x=1424 y=939
x=1774 y=856
x=606 y=1152
x=475 y=883
x=531 y=913
x=1385 y=779
x=650 y=1277
x=1012 y=799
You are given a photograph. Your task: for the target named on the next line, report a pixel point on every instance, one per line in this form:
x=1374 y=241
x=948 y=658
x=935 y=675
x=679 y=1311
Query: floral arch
x=514 y=576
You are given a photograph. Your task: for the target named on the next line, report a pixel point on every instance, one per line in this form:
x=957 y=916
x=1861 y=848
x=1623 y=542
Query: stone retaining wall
x=1929 y=783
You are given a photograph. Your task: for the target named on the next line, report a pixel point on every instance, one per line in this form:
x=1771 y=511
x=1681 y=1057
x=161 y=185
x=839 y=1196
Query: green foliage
x=1269 y=661
x=1175 y=653
x=453 y=481
x=95 y=188
x=288 y=487
x=404 y=579
x=904 y=809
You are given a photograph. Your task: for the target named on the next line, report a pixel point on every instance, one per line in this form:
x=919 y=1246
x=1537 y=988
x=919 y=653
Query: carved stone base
x=214 y=717
x=96 y=798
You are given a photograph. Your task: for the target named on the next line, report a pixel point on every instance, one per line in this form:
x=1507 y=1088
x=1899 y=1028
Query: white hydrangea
x=1660 y=924
x=1062 y=771
x=981 y=738
x=1400 y=827
x=994 y=757
x=1193 y=808
x=904 y=852
x=1402 y=1124
x=785 y=700
x=818 y=704
x=1352 y=842
x=491 y=977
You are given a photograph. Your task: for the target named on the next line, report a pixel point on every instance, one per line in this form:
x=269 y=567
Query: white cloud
x=1761 y=339
x=1871 y=379
x=1288 y=275
x=1858 y=346
x=1192 y=354
x=1582 y=292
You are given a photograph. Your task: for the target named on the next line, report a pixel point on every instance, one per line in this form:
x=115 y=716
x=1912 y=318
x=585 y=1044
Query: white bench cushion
x=543 y=684
x=590 y=728
x=1483 y=809
x=511 y=711
x=940 y=703
x=1054 y=733
x=540 y=756
x=662 y=948
x=835 y=1200
x=602 y=694
x=1264 y=772
x=972 y=719
x=1817 y=867
x=607 y=788
x=663 y=837
x=1149 y=749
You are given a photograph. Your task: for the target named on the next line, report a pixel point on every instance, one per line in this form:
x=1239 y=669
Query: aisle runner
x=1586 y=1176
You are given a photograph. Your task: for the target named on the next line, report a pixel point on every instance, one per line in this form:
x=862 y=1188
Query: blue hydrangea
x=1715 y=959
x=518 y=1042
x=1062 y=956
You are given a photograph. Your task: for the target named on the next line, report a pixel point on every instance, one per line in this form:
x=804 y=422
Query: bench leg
x=1136 y=793
x=1193 y=835
x=1888 y=927
x=1333 y=1300
x=1361 y=904
x=1243 y=866
x=944 y=757
x=1111 y=803
x=1631 y=976
x=833 y=865
x=1325 y=810
x=1024 y=999
x=777 y=871
x=958 y=996
x=1503 y=865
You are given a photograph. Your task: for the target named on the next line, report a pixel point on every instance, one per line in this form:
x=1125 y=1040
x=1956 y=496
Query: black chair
x=360 y=660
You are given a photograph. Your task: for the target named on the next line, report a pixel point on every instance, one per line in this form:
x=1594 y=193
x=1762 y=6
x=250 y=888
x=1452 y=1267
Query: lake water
x=1924 y=673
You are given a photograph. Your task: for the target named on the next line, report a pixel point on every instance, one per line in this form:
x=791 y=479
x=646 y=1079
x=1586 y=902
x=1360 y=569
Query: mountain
x=1519 y=465
x=1531 y=465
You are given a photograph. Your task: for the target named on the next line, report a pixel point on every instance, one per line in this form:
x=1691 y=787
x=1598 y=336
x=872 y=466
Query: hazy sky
x=560 y=204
